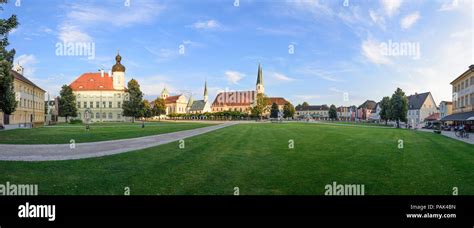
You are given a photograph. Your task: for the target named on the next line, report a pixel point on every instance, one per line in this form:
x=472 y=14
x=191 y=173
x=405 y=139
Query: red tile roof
x=278 y=100
x=92 y=81
x=432 y=117
x=172 y=99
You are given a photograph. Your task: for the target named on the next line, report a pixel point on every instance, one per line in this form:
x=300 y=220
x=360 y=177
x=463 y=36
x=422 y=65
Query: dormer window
x=91 y=79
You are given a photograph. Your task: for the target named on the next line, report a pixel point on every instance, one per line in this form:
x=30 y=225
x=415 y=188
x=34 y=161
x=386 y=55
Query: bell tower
x=118 y=73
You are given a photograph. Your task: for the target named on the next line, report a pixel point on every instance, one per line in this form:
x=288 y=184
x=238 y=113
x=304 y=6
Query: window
x=119 y=116
x=79 y=115
x=110 y=115
x=91 y=104
x=119 y=104
x=97 y=104
x=110 y=105
x=97 y=116
x=79 y=104
x=104 y=115
x=85 y=104
x=103 y=105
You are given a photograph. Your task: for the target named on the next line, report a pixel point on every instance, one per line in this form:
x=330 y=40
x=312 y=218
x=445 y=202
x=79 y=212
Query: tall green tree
x=261 y=106
x=385 y=109
x=274 y=111
x=399 y=106
x=147 y=110
x=67 y=103
x=332 y=112
x=8 y=102
x=288 y=110
x=133 y=107
x=159 y=107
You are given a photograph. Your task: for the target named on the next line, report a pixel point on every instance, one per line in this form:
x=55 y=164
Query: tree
x=274 y=111
x=67 y=103
x=134 y=106
x=159 y=107
x=385 y=109
x=261 y=106
x=398 y=106
x=146 y=111
x=8 y=102
x=305 y=105
x=332 y=112
x=288 y=110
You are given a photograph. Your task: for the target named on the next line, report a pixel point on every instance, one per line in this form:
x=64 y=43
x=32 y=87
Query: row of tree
x=394 y=108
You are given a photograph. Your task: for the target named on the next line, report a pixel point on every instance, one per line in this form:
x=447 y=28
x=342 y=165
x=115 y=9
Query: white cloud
x=207 y=25
x=233 y=76
x=313 y=6
x=69 y=33
x=409 y=20
x=448 y=6
x=377 y=19
x=391 y=7
x=28 y=63
x=371 y=49
x=281 y=77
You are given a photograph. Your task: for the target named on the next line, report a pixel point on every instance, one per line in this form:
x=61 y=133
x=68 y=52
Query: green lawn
x=256 y=158
x=358 y=123
x=62 y=134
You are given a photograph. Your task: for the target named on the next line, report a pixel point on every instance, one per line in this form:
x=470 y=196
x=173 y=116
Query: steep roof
x=416 y=101
x=277 y=100
x=260 y=75
x=368 y=104
x=22 y=78
x=313 y=108
x=237 y=98
x=92 y=81
x=198 y=105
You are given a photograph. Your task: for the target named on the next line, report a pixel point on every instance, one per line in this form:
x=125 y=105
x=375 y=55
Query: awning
x=464 y=116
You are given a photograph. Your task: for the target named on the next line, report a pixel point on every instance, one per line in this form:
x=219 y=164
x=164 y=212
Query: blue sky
x=337 y=46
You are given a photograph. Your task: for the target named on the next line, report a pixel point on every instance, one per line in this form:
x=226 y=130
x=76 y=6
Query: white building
x=101 y=94
x=420 y=106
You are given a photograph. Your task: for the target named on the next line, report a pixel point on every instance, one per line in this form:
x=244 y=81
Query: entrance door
x=6 y=119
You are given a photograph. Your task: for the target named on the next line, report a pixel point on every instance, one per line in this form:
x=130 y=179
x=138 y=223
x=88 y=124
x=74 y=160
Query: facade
x=420 y=106
x=30 y=108
x=463 y=92
x=344 y=113
x=375 y=115
x=317 y=112
x=240 y=101
x=445 y=108
x=199 y=106
x=366 y=109
x=463 y=100
x=101 y=95
x=174 y=104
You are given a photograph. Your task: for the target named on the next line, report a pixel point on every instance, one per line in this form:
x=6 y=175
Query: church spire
x=260 y=88
x=118 y=67
x=206 y=95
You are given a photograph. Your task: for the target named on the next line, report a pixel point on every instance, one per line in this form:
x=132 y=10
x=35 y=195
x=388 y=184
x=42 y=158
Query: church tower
x=164 y=94
x=206 y=95
x=118 y=73
x=260 y=88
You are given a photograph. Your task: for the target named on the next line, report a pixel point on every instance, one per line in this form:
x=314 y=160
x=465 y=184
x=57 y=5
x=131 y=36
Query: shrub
x=75 y=121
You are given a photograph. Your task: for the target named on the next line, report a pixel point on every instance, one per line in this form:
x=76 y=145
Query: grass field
x=256 y=158
x=62 y=134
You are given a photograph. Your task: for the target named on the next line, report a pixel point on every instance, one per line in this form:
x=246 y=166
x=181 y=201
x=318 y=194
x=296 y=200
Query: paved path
x=451 y=134
x=55 y=152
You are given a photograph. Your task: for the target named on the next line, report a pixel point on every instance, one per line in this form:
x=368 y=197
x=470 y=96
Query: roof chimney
x=101 y=73
x=110 y=73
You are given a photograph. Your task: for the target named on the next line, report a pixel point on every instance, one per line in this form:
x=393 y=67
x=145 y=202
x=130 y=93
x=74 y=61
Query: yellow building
x=30 y=108
x=463 y=91
x=174 y=104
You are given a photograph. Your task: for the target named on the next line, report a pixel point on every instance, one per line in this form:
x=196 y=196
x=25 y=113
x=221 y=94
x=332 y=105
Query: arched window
x=97 y=115
x=104 y=115
x=79 y=115
x=110 y=115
